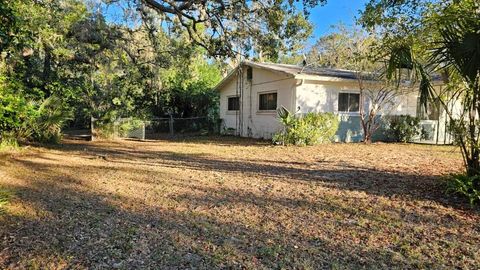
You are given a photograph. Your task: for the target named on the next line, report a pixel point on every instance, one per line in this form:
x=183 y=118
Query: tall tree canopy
x=77 y=59
x=237 y=27
x=64 y=57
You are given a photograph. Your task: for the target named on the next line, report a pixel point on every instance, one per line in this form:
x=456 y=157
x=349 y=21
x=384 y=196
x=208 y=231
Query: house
x=251 y=93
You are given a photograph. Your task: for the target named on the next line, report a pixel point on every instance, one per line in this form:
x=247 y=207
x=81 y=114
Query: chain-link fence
x=120 y=128
x=152 y=128
x=159 y=127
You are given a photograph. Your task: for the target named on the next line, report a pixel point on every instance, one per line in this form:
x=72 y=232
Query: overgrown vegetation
x=62 y=63
x=422 y=38
x=307 y=129
x=402 y=128
x=116 y=59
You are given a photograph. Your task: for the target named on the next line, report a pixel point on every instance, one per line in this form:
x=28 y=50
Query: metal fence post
x=92 y=128
x=170 y=124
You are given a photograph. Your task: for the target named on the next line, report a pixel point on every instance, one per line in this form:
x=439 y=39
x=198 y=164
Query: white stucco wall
x=322 y=96
x=299 y=96
x=229 y=118
x=256 y=123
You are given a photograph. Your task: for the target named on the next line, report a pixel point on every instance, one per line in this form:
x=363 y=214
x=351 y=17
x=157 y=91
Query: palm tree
x=455 y=51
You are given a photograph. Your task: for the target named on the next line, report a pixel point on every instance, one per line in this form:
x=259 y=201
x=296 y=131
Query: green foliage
x=466 y=186
x=440 y=37
x=52 y=115
x=28 y=121
x=104 y=129
x=5 y=196
x=225 y=28
x=309 y=129
x=125 y=127
x=8 y=142
x=15 y=111
x=115 y=128
x=188 y=89
x=61 y=61
x=402 y=128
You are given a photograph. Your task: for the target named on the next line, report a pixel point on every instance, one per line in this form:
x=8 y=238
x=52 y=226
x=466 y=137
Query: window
x=249 y=73
x=268 y=102
x=432 y=112
x=233 y=103
x=348 y=102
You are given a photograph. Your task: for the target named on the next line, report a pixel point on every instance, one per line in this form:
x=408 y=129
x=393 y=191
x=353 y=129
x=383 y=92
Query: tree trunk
x=367 y=139
x=47 y=65
x=473 y=164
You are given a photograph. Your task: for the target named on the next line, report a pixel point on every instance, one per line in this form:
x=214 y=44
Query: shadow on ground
x=75 y=225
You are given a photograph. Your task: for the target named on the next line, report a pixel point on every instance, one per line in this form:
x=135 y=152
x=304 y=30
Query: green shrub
x=8 y=141
x=125 y=127
x=39 y=121
x=308 y=129
x=104 y=130
x=402 y=128
x=110 y=129
x=52 y=116
x=466 y=186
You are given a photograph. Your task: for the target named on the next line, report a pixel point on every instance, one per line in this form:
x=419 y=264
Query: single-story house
x=251 y=93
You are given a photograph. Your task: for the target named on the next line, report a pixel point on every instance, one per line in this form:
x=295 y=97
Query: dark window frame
x=350 y=106
x=433 y=110
x=249 y=73
x=231 y=106
x=267 y=105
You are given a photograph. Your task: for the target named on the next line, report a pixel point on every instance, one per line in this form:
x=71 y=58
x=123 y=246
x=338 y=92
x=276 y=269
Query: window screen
x=348 y=102
x=268 y=102
x=233 y=103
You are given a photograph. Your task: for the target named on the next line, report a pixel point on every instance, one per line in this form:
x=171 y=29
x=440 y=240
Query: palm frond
x=459 y=48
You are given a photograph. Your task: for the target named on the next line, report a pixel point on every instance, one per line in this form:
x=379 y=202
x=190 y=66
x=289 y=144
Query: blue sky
x=334 y=12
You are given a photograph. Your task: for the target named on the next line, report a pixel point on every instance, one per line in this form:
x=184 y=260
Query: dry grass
x=231 y=203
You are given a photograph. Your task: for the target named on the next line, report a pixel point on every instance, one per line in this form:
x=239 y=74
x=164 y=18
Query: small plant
x=403 y=128
x=467 y=186
x=5 y=196
x=107 y=128
x=125 y=127
x=52 y=116
x=309 y=129
x=229 y=131
x=8 y=142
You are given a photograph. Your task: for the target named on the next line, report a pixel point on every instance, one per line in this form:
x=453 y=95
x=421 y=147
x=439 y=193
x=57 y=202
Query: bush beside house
x=307 y=129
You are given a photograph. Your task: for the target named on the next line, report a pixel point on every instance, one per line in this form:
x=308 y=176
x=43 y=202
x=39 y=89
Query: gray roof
x=295 y=70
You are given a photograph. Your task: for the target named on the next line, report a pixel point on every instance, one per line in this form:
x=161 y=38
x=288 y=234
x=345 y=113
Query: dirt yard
x=231 y=203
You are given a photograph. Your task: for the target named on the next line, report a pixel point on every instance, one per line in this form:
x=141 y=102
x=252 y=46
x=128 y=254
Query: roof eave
x=303 y=76
x=253 y=64
x=226 y=79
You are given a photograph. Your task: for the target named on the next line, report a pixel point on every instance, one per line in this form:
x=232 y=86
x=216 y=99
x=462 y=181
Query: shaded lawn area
x=233 y=203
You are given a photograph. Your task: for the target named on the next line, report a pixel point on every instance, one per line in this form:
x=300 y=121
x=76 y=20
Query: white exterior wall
x=322 y=96
x=405 y=104
x=229 y=118
x=256 y=123
x=303 y=96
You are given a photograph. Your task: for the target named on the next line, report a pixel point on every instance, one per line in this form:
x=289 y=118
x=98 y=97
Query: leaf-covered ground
x=231 y=203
